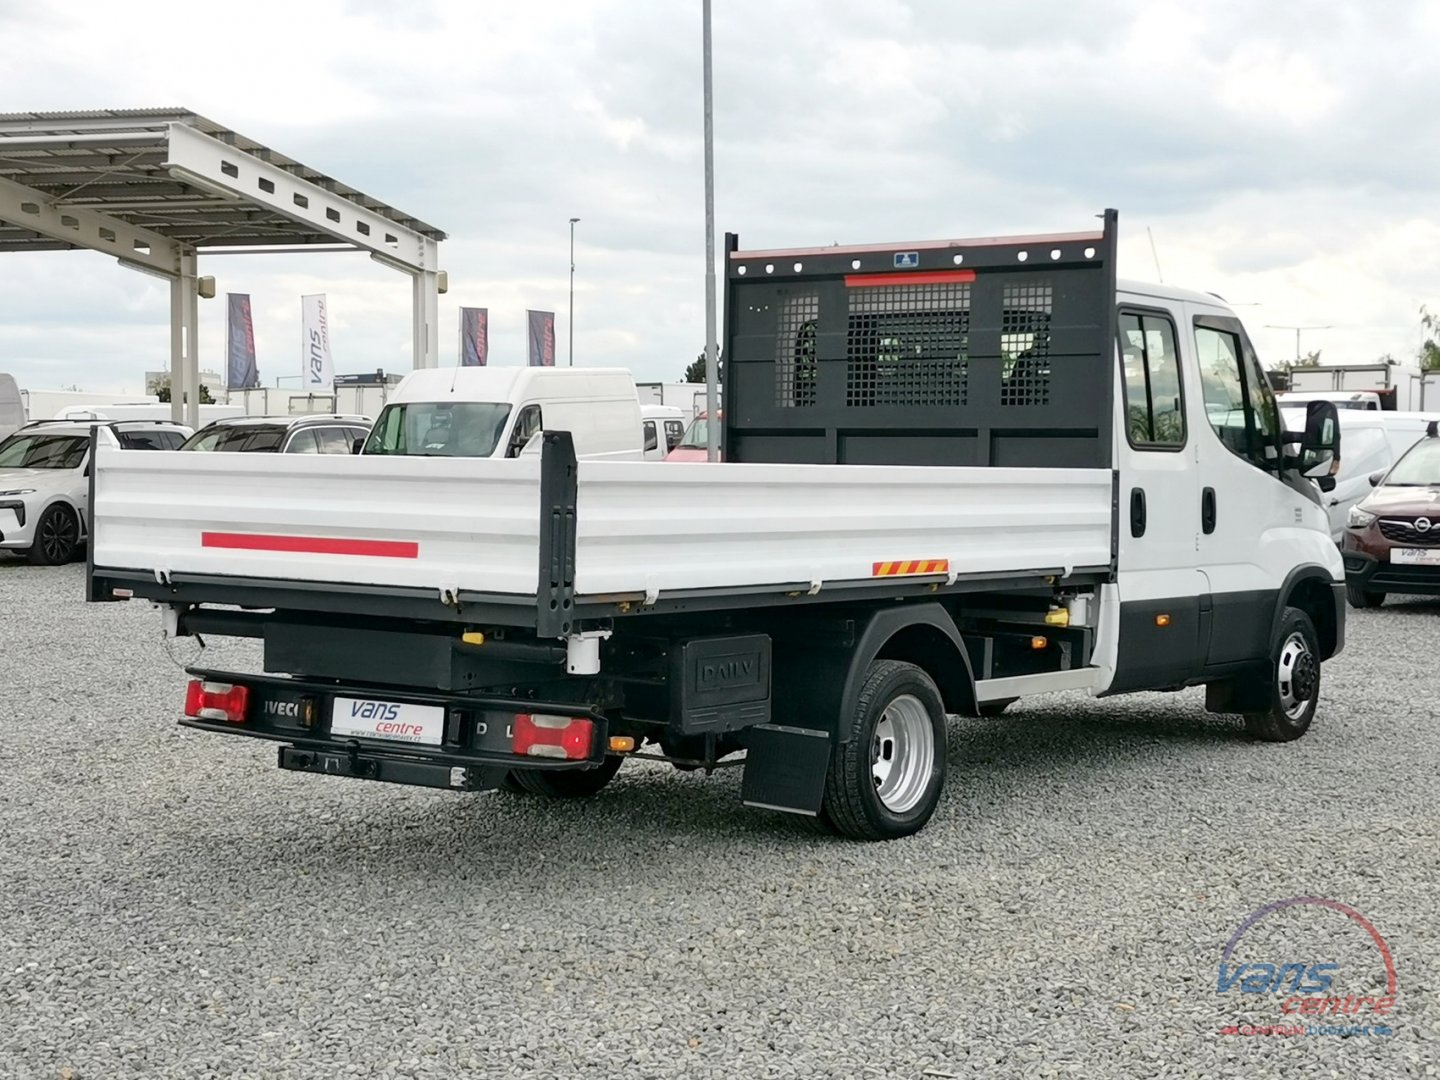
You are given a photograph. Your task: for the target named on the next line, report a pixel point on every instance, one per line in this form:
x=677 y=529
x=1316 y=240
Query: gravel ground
x=171 y=905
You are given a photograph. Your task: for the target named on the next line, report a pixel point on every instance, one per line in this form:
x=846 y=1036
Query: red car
x=693 y=446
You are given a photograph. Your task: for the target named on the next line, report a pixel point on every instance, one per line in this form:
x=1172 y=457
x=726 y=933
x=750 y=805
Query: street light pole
x=573 y=220
x=712 y=412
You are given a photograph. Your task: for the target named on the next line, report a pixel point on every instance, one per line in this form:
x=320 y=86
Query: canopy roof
x=138 y=165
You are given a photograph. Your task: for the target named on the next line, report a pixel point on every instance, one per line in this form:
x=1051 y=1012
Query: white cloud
x=1284 y=155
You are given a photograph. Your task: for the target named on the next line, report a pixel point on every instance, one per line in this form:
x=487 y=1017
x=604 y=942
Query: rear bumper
x=474 y=753
x=1365 y=571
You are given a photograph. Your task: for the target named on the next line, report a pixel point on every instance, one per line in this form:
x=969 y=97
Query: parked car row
x=470 y=412
x=44 y=481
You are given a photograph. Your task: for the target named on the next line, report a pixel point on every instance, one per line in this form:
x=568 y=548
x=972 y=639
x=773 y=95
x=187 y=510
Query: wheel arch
x=925 y=636
x=1311 y=589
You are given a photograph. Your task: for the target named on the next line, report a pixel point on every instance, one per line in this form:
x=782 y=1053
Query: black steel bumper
x=1365 y=571
x=474 y=754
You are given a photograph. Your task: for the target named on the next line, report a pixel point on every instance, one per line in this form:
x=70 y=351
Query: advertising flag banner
x=542 y=338
x=241 y=372
x=317 y=368
x=474 y=336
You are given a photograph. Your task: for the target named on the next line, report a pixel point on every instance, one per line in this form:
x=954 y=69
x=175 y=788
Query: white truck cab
x=485 y=412
x=664 y=427
x=1218 y=526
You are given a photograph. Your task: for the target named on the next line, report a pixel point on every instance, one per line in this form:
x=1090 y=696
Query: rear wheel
x=1294 y=681
x=567 y=783
x=885 y=779
x=57 y=537
x=1363 y=598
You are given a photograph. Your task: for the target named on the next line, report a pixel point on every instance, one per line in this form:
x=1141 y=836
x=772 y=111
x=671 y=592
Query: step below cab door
x=1161 y=636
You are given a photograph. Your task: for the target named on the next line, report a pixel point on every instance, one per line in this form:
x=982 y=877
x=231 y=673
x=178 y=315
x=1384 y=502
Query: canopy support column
x=425 y=316
x=184 y=347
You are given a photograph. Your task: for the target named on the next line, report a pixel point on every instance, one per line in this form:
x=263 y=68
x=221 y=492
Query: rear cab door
x=1158 y=512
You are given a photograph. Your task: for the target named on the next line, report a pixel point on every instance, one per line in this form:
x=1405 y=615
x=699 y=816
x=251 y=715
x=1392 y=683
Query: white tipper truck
x=957 y=473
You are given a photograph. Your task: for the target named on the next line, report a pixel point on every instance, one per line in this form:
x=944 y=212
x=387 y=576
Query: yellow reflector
x=1057 y=617
x=621 y=744
x=1162 y=620
x=1039 y=642
x=473 y=637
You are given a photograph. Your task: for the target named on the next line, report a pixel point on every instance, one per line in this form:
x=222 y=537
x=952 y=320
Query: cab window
x=1238 y=402
x=1154 y=403
x=303 y=442
x=334 y=440
x=527 y=424
x=652 y=440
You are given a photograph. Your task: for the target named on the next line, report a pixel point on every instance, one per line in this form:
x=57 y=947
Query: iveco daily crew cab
x=956 y=473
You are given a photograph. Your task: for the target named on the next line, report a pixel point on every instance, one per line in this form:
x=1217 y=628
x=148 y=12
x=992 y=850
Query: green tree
x=1429 y=354
x=162 y=391
x=695 y=372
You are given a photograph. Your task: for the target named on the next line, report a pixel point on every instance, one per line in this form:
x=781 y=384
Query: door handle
x=1207 y=511
x=1137 y=512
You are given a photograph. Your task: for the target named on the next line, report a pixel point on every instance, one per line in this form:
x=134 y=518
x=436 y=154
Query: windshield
x=697 y=435
x=43 y=451
x=238 y=438
x=1420 y=467
x=439 y=429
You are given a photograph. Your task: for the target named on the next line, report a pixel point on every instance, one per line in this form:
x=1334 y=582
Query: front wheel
x=1363 y=598
x=886 y=776
x=57 y=536
x=567 y=783
x=1294 y=681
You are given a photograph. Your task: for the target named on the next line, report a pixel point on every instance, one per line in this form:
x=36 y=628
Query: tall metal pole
x=712 y=411
x=1297 y=329
x=573 y=220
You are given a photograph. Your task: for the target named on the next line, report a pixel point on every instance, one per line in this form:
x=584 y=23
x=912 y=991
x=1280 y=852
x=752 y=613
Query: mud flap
x=785 y=768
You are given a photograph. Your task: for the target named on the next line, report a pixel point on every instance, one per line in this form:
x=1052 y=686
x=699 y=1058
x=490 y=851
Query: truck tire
x=568 y=783
x=1363 y=598
x=1293 y=681
x=885 y=779
x=57 y=537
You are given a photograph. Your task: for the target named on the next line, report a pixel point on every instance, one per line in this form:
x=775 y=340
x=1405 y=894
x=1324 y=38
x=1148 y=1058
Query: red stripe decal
x=312 y=545
x=911 y=277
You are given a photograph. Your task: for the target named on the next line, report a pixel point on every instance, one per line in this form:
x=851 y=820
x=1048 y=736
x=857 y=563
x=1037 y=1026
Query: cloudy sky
x=1283 y=155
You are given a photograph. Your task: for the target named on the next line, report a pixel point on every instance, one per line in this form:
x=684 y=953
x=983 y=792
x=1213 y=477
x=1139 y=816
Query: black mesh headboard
x=959 y=352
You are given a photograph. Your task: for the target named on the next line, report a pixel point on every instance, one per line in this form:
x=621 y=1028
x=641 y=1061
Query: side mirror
x=1325 y=483
x=357 y=445
x=1376 y=477
x=1320 y=445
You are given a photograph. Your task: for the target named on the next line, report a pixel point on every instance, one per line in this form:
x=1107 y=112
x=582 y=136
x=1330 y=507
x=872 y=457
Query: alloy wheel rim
x=57 y=536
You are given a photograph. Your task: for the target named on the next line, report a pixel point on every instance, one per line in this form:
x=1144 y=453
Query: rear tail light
x=216 y=701
x=567 y=737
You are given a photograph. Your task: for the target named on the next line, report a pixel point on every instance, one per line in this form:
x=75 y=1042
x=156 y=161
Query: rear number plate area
x=389 y=721
x=1416 y=556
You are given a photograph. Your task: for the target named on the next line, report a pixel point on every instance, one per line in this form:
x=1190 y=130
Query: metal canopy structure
x=155 y=187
